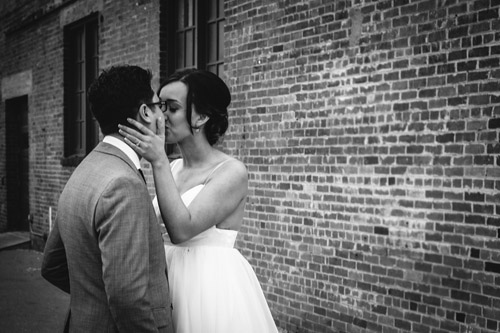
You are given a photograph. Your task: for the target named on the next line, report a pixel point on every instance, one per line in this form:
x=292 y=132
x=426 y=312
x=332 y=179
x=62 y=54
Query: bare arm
x=219 y=200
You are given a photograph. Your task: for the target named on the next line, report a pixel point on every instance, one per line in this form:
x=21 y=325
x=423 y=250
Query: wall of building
x=371 y=133
x=32 y=42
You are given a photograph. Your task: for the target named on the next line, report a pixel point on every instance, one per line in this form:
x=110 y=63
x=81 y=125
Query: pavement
x=28 y=303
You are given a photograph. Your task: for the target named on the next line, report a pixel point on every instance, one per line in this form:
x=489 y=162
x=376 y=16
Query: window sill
x=72 y=161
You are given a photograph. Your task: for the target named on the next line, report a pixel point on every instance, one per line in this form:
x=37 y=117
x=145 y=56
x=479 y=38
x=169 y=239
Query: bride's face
x=176 y=125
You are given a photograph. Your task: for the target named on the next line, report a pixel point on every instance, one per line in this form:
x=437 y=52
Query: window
x=192 y=36
x=196 y=34
x=81 y=62
x=215 y=37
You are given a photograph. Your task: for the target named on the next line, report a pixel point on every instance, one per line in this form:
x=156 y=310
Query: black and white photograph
x=250 y=166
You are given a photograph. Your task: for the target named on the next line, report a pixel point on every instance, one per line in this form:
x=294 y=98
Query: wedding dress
x=212 y=286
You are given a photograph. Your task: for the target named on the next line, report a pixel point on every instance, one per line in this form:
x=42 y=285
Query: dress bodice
x=213 y=236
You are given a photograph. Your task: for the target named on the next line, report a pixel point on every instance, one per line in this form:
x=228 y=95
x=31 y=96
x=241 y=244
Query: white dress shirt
x=125 y=148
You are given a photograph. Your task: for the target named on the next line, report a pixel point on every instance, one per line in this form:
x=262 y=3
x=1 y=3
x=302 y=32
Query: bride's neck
x=197 y=155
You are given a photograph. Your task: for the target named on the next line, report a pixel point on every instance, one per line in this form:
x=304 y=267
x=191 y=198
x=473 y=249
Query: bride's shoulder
x=231 y=168
x=232 y=163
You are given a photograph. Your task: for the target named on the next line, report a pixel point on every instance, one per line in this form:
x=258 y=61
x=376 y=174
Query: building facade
x=370 y=130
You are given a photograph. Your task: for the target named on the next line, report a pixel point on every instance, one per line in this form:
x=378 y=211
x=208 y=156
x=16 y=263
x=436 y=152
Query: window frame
x=219 y=21
x=201 y=21
x=81 y=66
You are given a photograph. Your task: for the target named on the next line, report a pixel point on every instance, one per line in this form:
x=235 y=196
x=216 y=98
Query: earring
x=197 y=130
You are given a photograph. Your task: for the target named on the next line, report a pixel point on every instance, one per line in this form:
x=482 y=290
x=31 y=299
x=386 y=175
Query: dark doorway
x=17 y=153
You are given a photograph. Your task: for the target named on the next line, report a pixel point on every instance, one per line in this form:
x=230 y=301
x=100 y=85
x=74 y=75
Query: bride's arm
x=218 y=200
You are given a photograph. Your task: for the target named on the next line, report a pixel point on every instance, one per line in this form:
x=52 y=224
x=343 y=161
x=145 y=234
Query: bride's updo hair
x=211 y=97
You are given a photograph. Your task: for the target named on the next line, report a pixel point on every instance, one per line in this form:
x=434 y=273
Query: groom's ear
x=144 y=114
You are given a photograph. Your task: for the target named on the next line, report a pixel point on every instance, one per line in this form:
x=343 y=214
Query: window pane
x=180 y=14
x=212 y=9
x=80 y=76
x=93 y=53
x=212 y=42
x=189 y=12
x=79 y=45
x=212 y=68
x=79 y=107
x=220 y=41
x=180 y=51
x=190 y=57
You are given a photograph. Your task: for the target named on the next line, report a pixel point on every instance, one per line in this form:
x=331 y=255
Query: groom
x=106 y=247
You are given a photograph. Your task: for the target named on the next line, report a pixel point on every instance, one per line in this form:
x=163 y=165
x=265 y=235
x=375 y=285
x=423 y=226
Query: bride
x=201 y=198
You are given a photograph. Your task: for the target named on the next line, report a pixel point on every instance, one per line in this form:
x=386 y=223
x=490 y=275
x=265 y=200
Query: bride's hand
x=146 y=143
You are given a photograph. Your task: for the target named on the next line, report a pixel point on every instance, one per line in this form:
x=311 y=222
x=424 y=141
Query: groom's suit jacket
x=106 y=249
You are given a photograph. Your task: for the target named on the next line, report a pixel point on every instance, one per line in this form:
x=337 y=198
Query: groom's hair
x=117 y=94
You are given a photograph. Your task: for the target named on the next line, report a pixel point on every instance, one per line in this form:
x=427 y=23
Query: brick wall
x=32 y=39
x=371 y=133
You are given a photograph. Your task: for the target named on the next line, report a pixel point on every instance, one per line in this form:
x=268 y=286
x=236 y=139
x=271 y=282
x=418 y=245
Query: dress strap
x=214 y=169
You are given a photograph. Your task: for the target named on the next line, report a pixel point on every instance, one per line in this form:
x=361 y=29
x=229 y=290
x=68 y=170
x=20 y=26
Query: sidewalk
x=28 y=302
x=14 y=239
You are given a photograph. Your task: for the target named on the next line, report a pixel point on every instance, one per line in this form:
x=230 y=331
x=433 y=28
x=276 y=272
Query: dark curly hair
x=116 y=95
x=211 y=97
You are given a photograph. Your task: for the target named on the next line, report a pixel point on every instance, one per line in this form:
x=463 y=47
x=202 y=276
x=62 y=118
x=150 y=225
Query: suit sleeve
x=55 y=264
x=122 y=224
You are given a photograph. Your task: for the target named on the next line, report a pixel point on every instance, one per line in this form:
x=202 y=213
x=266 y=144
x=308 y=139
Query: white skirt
x=214 y=289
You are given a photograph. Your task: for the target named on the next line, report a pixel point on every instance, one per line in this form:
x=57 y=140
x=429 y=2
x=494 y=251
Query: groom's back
x=88 y=217
x=75 y=217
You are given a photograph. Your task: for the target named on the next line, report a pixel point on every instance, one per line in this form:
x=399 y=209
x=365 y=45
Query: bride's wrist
x=160 y=162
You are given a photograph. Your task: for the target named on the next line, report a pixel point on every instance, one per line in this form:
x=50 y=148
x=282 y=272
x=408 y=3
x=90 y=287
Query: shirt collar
x=125 y=148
